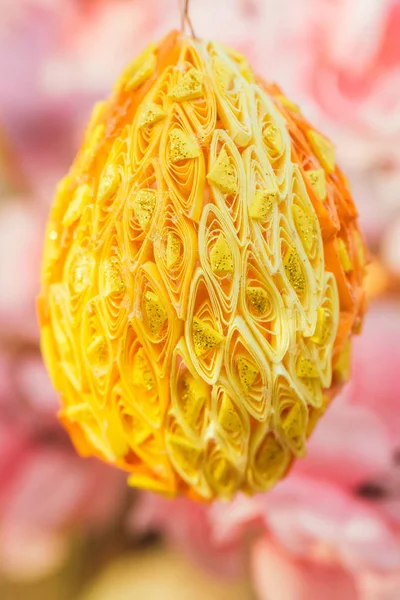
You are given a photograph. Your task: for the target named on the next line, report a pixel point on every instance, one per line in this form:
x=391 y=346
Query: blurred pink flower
x=57 y=58
x=21 y=235
x=336 y=517
x=41 y=129
x=48 y=495
x=47 y=492
x=277 y=574
x=188 y=525
x=351 y=81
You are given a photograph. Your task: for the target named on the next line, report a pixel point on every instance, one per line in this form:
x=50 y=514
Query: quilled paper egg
x=202 y=277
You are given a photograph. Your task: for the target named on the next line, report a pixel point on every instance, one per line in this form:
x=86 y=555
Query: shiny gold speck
x=194 y=395
x=156 y=312
x=318 y=181
x=151 y=114
x=173 y=250
x=223 y=175
x=306 y=225
x=306 y=368
x=292 y=424
x=258 y=299
x=185 y=453
x=228 y=416
x=143 y=207
x=273 y=137
x=114 y=282
x=221 y=257
x=108 y=183
x=189 y=87
x=98 y=353
x=181 y=147
x=205 y=338
x=142 y=373
x=294 y=271
x=263 y=204
x=270 y=456
x=248 y=372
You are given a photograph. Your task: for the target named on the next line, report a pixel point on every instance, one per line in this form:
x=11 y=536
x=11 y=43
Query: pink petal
x=30 y=555
x=20 y=250
x=375 y=383
x=304 y=513
x=34 y=385
x=378 y=586
x=54 y=489
x=350 y=445
x=186 y=524
x=277 y=575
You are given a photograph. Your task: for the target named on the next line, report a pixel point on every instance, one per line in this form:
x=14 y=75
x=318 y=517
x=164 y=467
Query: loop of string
x=185 y=18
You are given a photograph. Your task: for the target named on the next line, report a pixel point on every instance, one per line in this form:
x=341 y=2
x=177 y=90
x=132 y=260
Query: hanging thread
x=185 y=18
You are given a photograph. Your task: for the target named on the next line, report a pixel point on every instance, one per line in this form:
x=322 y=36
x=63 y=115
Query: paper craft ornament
x=202 y=277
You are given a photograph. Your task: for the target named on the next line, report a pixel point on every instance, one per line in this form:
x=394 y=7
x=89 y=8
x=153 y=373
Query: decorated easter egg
x=202 y=277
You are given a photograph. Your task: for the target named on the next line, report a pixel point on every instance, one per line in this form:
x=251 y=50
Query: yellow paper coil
x=202 y=277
